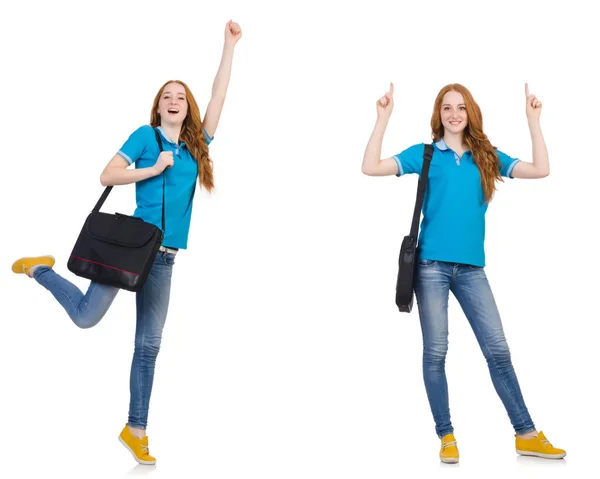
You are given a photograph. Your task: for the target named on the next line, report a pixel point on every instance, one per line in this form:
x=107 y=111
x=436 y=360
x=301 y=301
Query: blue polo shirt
x=180 y=183
x=453 y=225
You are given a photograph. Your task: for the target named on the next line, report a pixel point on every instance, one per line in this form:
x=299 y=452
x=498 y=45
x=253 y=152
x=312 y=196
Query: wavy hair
x=484 y=154
x=191 y=133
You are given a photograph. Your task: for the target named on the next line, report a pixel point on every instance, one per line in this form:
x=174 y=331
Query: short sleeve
x=135 y=146
x=410 y=160
x=207 y=137
x=507 y=164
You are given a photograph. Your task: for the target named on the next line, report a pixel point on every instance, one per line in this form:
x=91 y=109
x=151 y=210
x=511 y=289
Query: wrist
x=533 y=123
x=382 y=120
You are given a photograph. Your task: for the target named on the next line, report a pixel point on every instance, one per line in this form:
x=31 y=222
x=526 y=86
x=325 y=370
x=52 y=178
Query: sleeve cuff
x=209 y=139
x=511 y=167
x=400 y=170
x=120 y=153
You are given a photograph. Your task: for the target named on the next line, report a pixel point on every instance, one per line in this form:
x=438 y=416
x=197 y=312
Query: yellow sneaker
x=449 y=450
x=137 y=447
x=22 y=265
x=538 y=446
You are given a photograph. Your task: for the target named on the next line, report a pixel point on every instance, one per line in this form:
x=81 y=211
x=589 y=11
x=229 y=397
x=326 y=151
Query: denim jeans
x=433 y=282
x=152 y=302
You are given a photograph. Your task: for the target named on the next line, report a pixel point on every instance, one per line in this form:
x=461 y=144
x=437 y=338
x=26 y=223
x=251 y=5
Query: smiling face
x=454 y=112
x=173 y=105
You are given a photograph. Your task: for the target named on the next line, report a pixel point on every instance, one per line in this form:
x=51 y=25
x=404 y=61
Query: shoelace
x=145 y=450
x=544 y=442
x=448 y=444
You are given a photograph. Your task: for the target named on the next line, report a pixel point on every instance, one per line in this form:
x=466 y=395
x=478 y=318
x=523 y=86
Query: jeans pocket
x=475 y=268
x=427 y=262
x=169 y=259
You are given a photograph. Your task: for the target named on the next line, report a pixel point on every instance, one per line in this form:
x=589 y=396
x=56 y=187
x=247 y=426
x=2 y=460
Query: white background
x=284 y=355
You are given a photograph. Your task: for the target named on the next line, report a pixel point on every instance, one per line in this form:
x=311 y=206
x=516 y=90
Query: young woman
x=461 y=182
x=185 y=138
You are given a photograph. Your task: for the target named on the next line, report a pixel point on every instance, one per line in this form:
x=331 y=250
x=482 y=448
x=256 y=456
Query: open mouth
x=173 y=111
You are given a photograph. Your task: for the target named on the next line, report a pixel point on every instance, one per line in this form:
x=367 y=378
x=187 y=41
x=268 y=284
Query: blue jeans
x=86 y=310
x=433 y=282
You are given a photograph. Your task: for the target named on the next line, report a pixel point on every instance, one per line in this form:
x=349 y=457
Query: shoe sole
x=539 y=454
x=449 y=460
x=141 y=461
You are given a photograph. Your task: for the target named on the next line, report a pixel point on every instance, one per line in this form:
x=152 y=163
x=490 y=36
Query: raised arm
x=540 y=166
x=233 y=33
x=372 y=164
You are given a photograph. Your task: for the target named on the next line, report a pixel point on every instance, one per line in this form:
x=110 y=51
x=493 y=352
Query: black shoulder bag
x=408 y=252
x=116 y=249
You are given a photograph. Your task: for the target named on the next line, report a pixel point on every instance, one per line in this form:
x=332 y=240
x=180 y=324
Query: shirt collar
x=166 y=137
x=441 y=145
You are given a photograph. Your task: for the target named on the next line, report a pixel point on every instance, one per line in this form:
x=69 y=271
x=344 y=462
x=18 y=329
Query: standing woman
x=185 y=137
x=461 y=182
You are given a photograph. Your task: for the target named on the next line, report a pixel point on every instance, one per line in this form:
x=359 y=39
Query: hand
x=533 y=106
x=385 y=104
x=165 y=160
x=233 y=33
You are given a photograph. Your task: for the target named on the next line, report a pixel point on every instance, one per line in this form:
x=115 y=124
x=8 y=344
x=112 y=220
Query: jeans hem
x=39 y=270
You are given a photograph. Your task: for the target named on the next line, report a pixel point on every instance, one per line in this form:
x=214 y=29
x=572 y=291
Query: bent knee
x=86 y=321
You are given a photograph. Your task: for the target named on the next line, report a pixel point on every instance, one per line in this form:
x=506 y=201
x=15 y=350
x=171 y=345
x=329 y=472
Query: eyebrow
x=448 y=104
x=170 y=93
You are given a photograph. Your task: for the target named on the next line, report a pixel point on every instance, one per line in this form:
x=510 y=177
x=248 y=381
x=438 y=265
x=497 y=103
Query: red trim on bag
x=105 y=265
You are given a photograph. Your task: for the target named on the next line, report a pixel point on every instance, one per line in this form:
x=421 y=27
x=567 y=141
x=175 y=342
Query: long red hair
x=484 y=154
x=191 y=133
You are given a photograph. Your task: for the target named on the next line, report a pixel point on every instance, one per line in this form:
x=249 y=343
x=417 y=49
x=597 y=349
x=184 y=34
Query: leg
x=473 y=292
x=86 y=310
x=432 y=286
x=152 y=305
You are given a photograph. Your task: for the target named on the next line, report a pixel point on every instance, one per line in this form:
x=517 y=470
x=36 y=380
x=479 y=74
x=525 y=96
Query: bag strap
x=102 y=199
x=427 y=155
x=108 y=189
x=160 y=147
